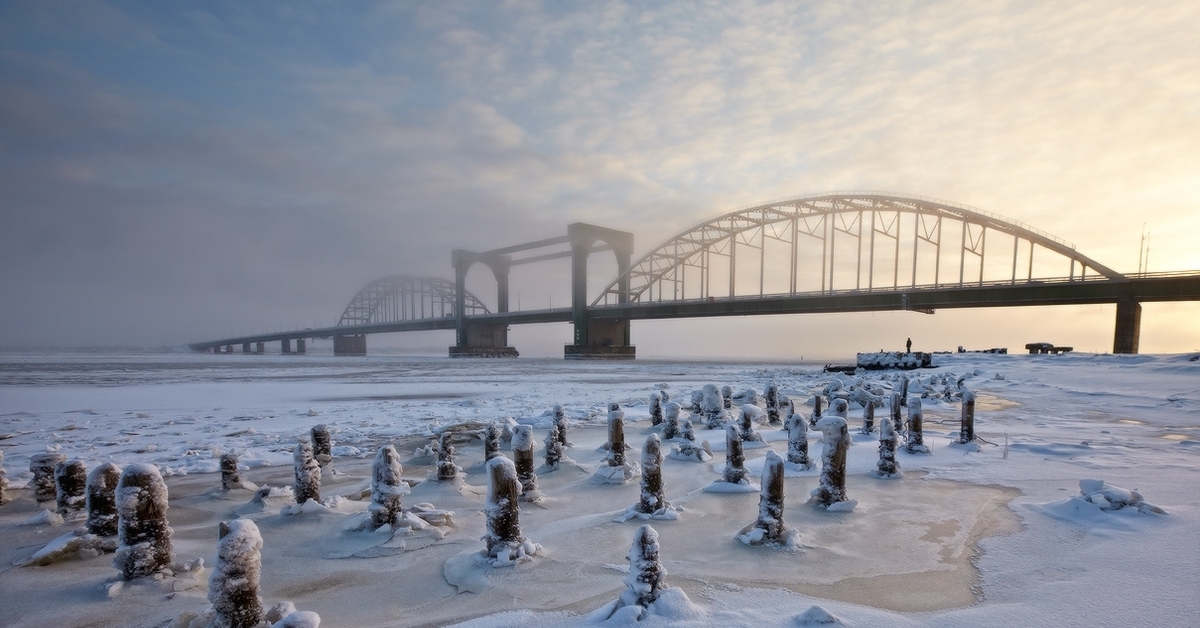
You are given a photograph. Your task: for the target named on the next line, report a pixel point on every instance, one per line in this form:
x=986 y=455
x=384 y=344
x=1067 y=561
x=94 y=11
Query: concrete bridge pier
x=480 y=340
x=300 y=345
x=1129 y=326
x=245 y=348
x=285 y=346
x=350 y=345
x=260 y=348
x=595 y=337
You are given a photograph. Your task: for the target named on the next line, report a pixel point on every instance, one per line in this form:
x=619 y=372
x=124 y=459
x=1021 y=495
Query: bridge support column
x=260 y=348
x=228 y=348
x=1129 y=326
x=245 y=348
x=597 y=338
x=350 y=345
x=300 y=342
x=480 y=340
x=285 y=346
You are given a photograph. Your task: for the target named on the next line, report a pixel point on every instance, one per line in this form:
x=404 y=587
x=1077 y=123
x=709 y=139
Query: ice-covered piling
x=231 y=476
x=868 y=425
x=504 y=544
x=491 y=442
x=522 y=449
x=42 y=466
x=769 y=527
x=656 y=408
x=894 y=407
x=308 y=473
x=70 y=484
x=904 y=390
x=712 y=407
x=916 y=438
x=145 y=538
x=672 y=428
x=616 y=436
x=797 y=452
x=646 y=574
x=653 y=497
x=750 y=415
x=774 y=404
x=727 y=397
x=832 y=488
x=386 y=487
x=233 y=585
x=446 y=468
x=102 y=500
x=840 y=408
x=322 y=444
x=735 y=457
x=966 y=432
x=816 y=413
x=887 y=466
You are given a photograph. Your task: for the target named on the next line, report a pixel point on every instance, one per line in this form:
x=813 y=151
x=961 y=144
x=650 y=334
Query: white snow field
x=996 y=534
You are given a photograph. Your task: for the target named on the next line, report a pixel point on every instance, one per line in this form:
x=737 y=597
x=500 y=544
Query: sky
x=173 y=173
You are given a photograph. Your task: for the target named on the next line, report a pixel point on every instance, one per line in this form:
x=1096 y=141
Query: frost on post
x=832 y=489
x=735 y=457
x=233 y=585
x=504 y=543
x=894 y=406
x=672 y=428
x=386 y=487
x=816 y=413
x=697 y=406
x=868 y=425
x=145 y=537
x=966 y=433
x=646 y=579
x=656 y=408
x=775 y=403
x=840 y=408
x=712 y=407
x=617 y=469
x=769 y=529
x=750 y=415
x=916 y=439
x=322 y=445
x=687 y=448
x=42 y=466
x=653 y=503
x=102 y=500
x=231 y=475
x=887 y=466
x=522 y=448
x=308 y=474
x=556 y=441
x=491 y=441
x=904 y=391
x=70 y=482
x=446 y=469
x=797 y=452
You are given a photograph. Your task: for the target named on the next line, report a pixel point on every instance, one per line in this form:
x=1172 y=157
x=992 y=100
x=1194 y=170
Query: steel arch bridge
x=848 y=241
x=406 y=298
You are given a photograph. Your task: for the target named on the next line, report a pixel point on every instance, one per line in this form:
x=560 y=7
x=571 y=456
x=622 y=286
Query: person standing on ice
x=908 y=346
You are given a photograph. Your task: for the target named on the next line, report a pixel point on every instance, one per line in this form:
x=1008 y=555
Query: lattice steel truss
x=405 y=297
x=849 y=241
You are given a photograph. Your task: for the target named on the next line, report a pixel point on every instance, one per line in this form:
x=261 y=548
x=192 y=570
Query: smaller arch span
x=839 y=241
x=404 y=298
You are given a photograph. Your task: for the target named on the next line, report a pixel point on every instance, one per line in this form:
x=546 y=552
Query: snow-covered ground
x=998 y=535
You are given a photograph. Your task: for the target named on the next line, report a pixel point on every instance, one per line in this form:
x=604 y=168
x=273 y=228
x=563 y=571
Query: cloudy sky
x=176 y=172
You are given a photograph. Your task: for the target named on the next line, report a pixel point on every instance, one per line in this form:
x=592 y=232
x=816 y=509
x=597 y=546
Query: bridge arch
x=406 y=297
x=896 y=242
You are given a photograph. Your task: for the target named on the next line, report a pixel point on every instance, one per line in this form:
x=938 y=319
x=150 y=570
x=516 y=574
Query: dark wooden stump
x=386 y=487
x=234 y=584
x=102 y=500
x=308 y=474
x=616 y=437
x=42 y=466
x=70 y=483
x=231 y=477
x=145 y=538
x=832 y=488
x=653 y=497
x=522 y=448
x=322 y=444
x=735 y=457
x=502 y=510
x=966 y=433
x=446 y=468
x=868 y=426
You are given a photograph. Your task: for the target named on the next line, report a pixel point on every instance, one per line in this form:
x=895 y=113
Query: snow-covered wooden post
x=713 y=407
x=42 y=466
x=897 y=422
x=233 y=585
x=308 y=473
x=656 y=408
x=769 y=527
x=653 y=497
x=322 y=444
x=386 y=487
x=616 y=436
x=868 y=426
x=904 y=390
x=446 y=468
x=522 y=448
x=102 y=500
x=887 y=466
x=646 y=574
x=797 y=452
x=816 y=413
x=70 y=483
x=560 y=427
x=832 y=488
x=502 y=510
x=966 y=432
x=727 y=397
x=231 y=477
x=773 y=404
x=491 y=441
x=673 y=428
x=916 y=438
x=735 y=457
x=697 y=407
x=142 y=530
x=841 y=408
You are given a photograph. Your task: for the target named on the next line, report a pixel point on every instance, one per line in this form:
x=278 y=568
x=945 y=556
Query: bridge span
x=838 y=252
